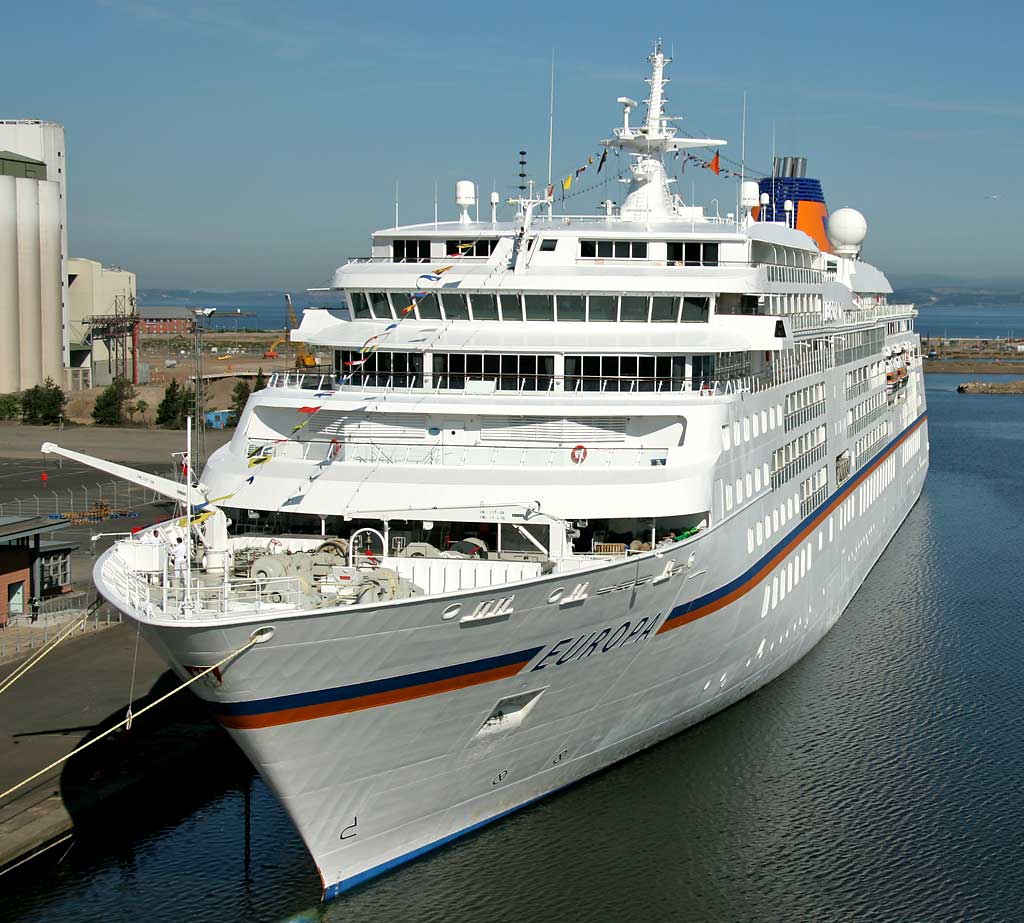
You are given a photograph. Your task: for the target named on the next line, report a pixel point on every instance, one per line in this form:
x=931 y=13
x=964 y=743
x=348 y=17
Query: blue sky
x=248 y=145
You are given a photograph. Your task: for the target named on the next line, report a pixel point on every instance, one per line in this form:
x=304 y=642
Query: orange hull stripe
x=344 y=706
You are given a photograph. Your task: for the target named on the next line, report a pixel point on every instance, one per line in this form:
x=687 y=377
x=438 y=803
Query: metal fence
x=16 y=641
x=118 y=497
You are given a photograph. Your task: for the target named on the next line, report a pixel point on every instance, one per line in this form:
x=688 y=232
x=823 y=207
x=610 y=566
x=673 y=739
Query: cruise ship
x=567 y=485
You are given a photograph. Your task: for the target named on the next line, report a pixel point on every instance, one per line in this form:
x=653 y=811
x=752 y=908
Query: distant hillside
x=959 y=293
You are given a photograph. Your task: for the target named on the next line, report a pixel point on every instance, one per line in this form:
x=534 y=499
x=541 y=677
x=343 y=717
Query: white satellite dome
x=847 y=229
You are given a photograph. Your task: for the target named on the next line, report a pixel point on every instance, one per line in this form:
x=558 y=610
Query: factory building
x=33 y=332
x=102 y=323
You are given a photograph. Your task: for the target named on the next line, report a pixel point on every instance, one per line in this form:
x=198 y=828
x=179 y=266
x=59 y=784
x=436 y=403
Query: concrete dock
x=85 y=684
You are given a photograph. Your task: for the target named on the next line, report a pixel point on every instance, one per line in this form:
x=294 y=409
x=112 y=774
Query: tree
x=169 y=410
x=43 y=404
x=261 y=381
x=10 y=406
x=141 y=406
x=110 y=405
x=239 y=397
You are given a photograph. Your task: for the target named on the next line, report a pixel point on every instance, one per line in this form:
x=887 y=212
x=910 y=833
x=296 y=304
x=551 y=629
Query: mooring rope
x=252 y=641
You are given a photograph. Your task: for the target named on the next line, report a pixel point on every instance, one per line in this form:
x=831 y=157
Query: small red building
x=31 y=569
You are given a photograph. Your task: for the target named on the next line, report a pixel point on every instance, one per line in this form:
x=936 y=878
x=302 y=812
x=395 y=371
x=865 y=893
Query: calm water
x=879 y=779
x=985 y=323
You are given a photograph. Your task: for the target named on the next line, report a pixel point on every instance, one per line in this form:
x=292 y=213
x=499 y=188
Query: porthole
x=452 y=611
x=556 y=595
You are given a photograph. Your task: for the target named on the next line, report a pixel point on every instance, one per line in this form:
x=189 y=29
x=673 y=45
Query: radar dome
x=847 y=229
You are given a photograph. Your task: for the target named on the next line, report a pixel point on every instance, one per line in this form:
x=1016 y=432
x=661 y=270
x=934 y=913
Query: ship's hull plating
x=376 y=728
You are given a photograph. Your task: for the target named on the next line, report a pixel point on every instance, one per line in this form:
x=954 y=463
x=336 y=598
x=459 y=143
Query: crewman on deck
x=179 y=559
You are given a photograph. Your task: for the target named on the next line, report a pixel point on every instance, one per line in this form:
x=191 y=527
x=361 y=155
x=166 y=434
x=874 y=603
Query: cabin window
x=703 y=370
x=572 y=307
x=379 y=305
x=485 y=306
x=410 y=251
x=479 y=247
x=625 y=373
x=380 y=369
x=548 y=245
x=693 y=252
x=510 y=372
x=614 y=249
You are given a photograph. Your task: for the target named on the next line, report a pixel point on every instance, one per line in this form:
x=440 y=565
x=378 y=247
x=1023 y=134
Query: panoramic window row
x=862 y=344
x=627 y=373
x=517 y=372
x=511 y=372
x=509 y=306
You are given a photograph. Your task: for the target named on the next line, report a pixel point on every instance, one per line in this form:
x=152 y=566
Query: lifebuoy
x=578 y=454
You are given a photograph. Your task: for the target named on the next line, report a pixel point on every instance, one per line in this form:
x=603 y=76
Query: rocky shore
x=992 y=387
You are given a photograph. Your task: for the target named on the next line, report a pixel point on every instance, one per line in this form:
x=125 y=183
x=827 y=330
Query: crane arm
x=154 y=482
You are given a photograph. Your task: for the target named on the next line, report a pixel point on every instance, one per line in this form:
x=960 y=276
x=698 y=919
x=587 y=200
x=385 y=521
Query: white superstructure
x=573 y=483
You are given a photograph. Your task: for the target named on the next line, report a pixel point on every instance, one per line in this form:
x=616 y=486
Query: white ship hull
x=375 y=726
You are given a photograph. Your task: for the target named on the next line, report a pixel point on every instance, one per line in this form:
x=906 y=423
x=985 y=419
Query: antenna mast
x=551 y=128
x=743 y=156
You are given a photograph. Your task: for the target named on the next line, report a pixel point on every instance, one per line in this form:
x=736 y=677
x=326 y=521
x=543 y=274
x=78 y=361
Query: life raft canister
x=578 y=454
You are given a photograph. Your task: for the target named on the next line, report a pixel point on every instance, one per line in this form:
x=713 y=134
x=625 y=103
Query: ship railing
x=460 y=258
x=810 y=503
x=855 y=426
x=856 y=390
x=797 y=465
x=869 y=452
x=483 y=383
x=803 y=415
x=152 y=589
x=436 y=453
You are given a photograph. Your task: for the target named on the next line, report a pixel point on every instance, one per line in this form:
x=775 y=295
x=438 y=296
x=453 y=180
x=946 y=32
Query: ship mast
x=648 y=195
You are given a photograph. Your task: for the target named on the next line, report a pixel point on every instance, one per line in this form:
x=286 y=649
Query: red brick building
x=172 y=321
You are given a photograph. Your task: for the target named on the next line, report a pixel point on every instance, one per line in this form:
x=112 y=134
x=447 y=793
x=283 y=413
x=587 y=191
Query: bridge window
x=603 y=308
x=540 y=307
x=455 y=306
x=633 y=308
x=572 y=307
x=695 y=311
x=410 y=251
x=484 y=305
x=360 y=306
x=511 y=307
x=664 y=310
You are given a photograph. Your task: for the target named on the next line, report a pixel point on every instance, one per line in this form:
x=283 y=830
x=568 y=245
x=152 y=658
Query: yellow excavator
x=303 y=358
